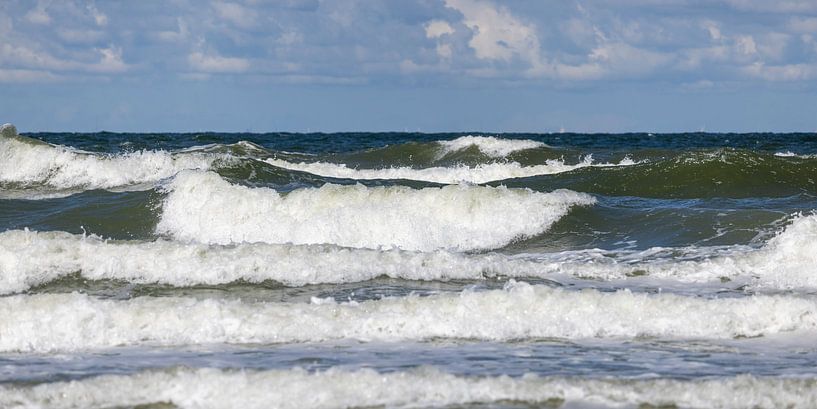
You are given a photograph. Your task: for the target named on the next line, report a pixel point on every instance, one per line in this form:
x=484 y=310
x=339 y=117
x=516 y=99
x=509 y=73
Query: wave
x=60 y=322
x=29 y=259
x=27 y=163
x=420 y=387
x=203 y=207
x=788 y=261
x=489 y=145
x=481 y=173
x=697 y=174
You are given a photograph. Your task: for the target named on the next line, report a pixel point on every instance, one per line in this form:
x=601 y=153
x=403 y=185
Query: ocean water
x=463 y=270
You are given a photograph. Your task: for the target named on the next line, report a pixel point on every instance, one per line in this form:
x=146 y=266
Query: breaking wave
x=203 y=207
x=53 y=322
x=28 y=259
x=26 y=162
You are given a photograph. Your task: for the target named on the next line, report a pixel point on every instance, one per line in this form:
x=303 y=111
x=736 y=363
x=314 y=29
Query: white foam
x=28 y=162
x=788 y=261
x=28 y=259
x=790 y=154
x=421 y=387
x=59 y=322
x=483 y=173
x=489 y=145
x=203 y=207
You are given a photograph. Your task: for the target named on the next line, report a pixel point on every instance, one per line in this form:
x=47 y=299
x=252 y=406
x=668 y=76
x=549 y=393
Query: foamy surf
x=29 y=259
x=26 y=162
x=482 y=173
x=421 y=387
x=64 y=322
x=788 y=261
x=203 y=207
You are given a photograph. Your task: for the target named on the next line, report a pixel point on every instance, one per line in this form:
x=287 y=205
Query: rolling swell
x=703 y=174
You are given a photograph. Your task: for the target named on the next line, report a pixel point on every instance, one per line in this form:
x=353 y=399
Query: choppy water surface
x=408 y=270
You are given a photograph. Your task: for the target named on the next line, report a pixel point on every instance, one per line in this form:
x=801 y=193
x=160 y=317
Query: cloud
x=438 y=28
x=236 y=14
x=111 y=60
x=18 y=75
x=100 y=18
x=497 y=34
x=38 y=15
x=214 y=63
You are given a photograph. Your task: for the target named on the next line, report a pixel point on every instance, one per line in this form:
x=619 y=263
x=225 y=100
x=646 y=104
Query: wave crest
x=203 y=207
x=50 y=322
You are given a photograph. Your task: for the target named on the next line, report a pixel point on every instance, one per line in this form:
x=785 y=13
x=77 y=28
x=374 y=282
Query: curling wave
x=53 y=322
x=420 y=387
x=203 y=207
x=26 y=162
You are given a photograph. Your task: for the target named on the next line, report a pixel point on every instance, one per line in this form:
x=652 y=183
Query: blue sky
x=416 y=65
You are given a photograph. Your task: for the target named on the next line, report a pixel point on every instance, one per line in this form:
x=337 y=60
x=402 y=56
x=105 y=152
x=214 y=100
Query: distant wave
x=61 y=322
x=482 y=173
x=203 y=207
x=489 y=145
x=421 y=387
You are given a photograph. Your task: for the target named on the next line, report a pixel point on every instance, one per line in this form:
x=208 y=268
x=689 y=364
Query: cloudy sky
x=427 y=65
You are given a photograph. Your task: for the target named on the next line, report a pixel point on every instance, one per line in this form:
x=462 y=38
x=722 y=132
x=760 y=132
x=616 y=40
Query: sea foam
x=489 y=145
x=420 y=387
x=26 y=162
x=28 y=259
x=61 y=322
x=203 y=207
x=482 y=173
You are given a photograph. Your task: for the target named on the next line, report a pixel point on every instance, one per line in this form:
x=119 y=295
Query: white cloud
x=100 y=18
x=444 y=51
x=746 y=45
x=175 y=36
x=217 y=64
x=80 y=36
x=497 y=34
x=111 y=60
x=38 y=15
x=438 y=28
x=789 y=72
x=803 y=25
x=16 y=75
x=236 y=14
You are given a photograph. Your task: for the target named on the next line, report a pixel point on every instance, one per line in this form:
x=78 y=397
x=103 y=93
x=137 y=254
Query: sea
x=408 y=270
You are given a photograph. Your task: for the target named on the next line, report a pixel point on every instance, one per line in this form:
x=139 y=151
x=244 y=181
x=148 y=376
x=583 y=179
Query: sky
x=409 y=65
